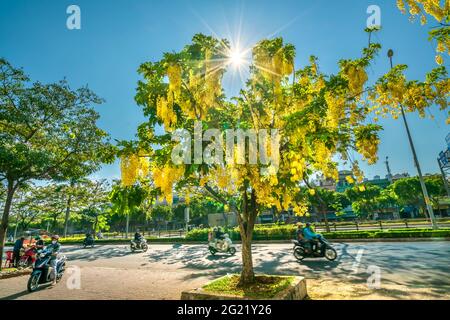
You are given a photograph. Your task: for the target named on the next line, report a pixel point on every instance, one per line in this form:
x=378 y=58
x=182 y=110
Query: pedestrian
x=18 y=245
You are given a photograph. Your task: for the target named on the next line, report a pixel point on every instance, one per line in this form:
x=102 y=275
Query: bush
x=287 y=232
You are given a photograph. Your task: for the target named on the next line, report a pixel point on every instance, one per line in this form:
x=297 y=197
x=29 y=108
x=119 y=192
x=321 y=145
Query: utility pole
x=416 y=161
x=444 y=177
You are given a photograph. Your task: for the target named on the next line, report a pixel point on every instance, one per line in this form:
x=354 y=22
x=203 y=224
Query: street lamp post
x=416 y=161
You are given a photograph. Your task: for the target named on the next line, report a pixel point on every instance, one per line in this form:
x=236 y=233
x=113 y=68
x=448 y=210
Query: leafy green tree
x=364 y=199
x=161 y=213
x=47 y=132
x=127 y=199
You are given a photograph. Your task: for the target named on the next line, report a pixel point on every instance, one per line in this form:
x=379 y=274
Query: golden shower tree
x=319 y=118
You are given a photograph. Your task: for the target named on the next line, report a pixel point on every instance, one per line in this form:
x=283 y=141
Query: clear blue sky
x=117 y=36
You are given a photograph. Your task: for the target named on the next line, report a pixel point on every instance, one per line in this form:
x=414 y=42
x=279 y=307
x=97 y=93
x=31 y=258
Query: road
x=416 y=270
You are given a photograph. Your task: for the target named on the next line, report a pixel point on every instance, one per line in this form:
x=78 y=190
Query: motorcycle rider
x=218 y=236
x=89 y=238
x=311 y=237
x=54 y=247
x=138 y=237
x=39 y=244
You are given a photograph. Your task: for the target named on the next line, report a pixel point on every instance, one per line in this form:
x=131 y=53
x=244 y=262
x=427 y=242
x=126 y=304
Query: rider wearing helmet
x=54 y=247
x=311 y=236
x=39 y=243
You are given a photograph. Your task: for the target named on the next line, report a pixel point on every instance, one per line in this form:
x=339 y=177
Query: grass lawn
x=265 y=287
x=8 y=270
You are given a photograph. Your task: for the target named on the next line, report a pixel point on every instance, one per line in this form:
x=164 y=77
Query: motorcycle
x=42 y=272
x=139 y=245
x=88 y=242
x=27 y=257
x=323 y=249
x=224 y=246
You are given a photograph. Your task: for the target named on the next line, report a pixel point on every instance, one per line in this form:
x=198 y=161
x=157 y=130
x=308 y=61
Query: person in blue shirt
x=311 y=236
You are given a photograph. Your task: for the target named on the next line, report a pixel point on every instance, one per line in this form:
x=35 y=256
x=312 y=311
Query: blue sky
x=117 y=36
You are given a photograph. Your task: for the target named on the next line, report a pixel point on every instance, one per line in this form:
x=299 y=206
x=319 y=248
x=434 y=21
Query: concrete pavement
x=416 y=270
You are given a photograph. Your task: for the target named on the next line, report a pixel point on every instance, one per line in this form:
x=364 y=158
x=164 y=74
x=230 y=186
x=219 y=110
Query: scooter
x=42 y=273
x=224 y=246
x=323 y=249
x=139 y=245
x=88 y=242
x=27 y=258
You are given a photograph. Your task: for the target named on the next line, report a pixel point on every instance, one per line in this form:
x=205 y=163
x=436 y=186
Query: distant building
x=396 y=177
x=342 y=183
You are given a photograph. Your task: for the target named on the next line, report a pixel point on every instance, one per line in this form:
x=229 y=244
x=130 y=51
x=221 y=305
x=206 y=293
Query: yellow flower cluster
x=356 y=77
x=439 y=10
x=164 y=111
x=297 y=167
x=336 y=109
x=132 y=167
x=368 y=148
x=165 y=178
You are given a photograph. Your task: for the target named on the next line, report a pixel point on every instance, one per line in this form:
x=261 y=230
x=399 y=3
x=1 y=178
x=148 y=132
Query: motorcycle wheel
x=145 y=248
x=232 y=251
x=330 y=254
x=299 y=254
x=33 y=282
x=132 y=248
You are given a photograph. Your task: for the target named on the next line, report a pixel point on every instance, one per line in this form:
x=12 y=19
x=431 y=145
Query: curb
x=14 y=274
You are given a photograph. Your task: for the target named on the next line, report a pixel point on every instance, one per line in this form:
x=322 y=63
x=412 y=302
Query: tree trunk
x=95 y=226
x=127 y=226
x=5 y=218
x=66 y=219
x=246 y=229
x=247 y=273
x=327 y=225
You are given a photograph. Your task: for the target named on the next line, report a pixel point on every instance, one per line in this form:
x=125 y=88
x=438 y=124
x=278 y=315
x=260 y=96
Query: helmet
x=55 y=237
x=308 y=224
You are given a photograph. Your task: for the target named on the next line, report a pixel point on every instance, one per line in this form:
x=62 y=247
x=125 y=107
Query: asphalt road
x=416 y=270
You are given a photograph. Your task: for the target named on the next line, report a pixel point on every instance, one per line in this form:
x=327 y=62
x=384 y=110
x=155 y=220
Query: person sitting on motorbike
x=39 y=244
x=54 y=248
x=311 y=236
x=89 y=237
x=138 y=237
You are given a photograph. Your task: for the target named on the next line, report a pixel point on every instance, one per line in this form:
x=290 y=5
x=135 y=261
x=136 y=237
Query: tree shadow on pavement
x=98 y=253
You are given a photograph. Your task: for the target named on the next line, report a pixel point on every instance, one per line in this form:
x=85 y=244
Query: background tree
x=127 y=199
x=364 y=199
x=161 y=214
x=47 y=132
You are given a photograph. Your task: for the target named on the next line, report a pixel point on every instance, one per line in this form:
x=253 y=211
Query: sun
x=236 y=57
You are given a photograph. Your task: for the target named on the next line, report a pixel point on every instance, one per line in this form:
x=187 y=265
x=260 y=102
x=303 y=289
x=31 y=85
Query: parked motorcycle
x=27 y=257
x=224 y=246
x=139 y=245
x=42 y=272
x=323 y=250
x=88 y=242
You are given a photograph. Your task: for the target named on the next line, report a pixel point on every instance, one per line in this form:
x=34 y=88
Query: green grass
x=265 y=287
x=8 y=270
